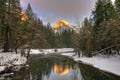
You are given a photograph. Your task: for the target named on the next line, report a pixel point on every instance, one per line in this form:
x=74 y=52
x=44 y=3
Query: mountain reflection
x=61 y=70
x=64 y=72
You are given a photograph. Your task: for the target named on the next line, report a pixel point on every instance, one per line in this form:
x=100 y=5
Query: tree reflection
x=60 y=68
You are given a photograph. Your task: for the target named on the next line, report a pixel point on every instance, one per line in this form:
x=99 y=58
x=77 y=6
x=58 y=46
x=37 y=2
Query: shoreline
x=111 y=64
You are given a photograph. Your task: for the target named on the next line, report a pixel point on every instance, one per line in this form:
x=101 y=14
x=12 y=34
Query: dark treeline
x=19 y=30
x=64 y=39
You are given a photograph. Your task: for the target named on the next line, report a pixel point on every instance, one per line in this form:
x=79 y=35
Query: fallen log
x=94 y=53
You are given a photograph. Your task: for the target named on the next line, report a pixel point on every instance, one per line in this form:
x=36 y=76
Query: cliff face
x=61 y=23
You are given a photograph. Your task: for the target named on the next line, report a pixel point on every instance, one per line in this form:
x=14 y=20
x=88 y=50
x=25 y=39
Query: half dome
x=61 y=23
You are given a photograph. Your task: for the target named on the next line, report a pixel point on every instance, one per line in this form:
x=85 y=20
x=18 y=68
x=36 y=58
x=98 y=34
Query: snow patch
x=10 y=59
x=2 y=68
x=50 y=51
x=110 y=64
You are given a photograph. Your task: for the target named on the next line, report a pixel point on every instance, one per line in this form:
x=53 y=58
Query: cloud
x=24 y=3
x=64 y=8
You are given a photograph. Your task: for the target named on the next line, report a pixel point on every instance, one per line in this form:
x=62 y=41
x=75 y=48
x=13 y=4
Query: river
x=57 y=67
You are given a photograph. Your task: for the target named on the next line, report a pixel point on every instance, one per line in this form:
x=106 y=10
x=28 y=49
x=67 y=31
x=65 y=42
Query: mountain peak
x=61 y=23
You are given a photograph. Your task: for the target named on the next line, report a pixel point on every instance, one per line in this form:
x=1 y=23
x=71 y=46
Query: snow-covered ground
x=109 y=64
x=10 y=59
x=49 y=51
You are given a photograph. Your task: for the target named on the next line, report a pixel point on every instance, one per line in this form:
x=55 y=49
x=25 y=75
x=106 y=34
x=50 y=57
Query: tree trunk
x=118 y=51
x=6 y=44
x=28 y=54
x=7 y=29
x=78 y=53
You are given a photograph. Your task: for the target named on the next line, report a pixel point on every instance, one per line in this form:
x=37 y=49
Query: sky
x=53 y=10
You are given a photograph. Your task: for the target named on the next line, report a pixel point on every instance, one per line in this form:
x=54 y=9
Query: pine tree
x=104 y=11
x=49 y=35
x=110 y=12
x=108 y=35
x=98 y=16
x=29 y=12
x=2 y=21
x=15 y=21
x=11 y=10
x=30 y=27
x=86 y=38
x=86 y=23
x=117 y=6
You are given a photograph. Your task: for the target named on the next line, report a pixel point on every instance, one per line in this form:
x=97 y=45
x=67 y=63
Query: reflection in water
x=50 y=68
x=60 y=68
x=64 y=72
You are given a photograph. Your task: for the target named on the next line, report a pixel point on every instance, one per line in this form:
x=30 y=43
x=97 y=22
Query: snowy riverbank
x=110 y=64
x=50 y=51
x=11 y=59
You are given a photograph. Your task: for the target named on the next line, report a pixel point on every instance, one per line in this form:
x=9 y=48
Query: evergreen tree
x=109 y=36
x=29 y=12
x=98 y=13
x=14 y=22
x=11 y=11
x=117 y=5
x=50 y=36
x=39 y=40
x=110 y=12
x=104 y=10
x=66 y=38
x=86 y=38
x=2 y=21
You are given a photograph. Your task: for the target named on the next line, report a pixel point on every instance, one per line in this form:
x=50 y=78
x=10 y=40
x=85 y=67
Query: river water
x=57 y=67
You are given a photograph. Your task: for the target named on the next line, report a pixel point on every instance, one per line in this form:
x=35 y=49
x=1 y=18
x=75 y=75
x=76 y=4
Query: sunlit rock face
x=62 y=25
x=60 y=70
